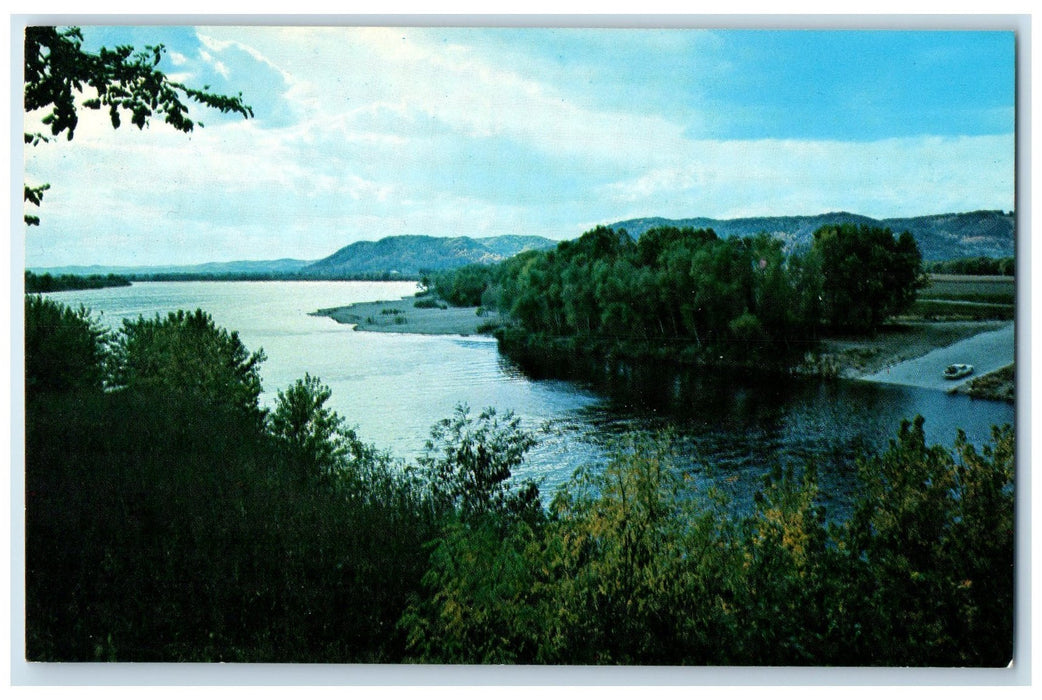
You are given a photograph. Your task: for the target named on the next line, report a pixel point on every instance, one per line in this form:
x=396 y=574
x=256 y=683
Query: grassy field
x=988 y=289
x=940 y=309
x=964 y=298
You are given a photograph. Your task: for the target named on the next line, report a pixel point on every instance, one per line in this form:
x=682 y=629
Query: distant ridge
x=282 y=266
x=397 y=256
x=410 y=255
x=940 y=236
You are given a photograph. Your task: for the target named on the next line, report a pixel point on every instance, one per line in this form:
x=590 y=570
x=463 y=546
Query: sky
x=360 y=133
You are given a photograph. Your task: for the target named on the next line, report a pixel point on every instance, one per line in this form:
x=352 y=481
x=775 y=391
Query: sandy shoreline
x=403 y=316
x=988 y=352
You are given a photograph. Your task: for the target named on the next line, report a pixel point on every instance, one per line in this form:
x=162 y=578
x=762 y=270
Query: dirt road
x=987 y=352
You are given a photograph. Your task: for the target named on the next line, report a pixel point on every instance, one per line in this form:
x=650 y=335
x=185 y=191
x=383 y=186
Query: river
x=394 y=387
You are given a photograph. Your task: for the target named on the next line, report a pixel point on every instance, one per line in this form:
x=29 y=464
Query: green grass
x=938 y=309
x=966 y=298
x=1000 y=384
x=990 y=289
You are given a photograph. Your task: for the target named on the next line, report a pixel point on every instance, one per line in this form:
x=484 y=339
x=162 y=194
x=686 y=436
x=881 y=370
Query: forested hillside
x=411 y=255
x=989 y=234
x=940 y=236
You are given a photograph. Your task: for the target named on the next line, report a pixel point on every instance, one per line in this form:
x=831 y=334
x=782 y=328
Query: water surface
x=393 y=387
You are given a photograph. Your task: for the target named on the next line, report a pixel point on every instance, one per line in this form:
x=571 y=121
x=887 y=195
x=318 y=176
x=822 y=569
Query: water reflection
x=733 y=427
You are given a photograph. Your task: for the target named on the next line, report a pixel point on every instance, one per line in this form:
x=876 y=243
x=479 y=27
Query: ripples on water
x=394 y=387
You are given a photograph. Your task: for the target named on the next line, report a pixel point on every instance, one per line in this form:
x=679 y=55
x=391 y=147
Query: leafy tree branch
x=61 y=78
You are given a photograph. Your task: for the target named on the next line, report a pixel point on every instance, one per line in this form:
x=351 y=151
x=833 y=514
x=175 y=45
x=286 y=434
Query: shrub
x=64 y=348
x=312 y=437
x=468 y=462
x=187 y=353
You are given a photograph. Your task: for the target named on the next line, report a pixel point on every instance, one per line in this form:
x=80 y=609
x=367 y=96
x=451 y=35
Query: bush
x=188 y=354
x=312 y=437
x=167 y=525
x=64 y=348
x=632 y=565
x=468 y=462
x=931 y=547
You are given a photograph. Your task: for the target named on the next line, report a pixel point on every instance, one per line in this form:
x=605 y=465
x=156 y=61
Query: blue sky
x=361 y=133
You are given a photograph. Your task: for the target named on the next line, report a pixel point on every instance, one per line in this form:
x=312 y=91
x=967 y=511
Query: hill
x=394 y=256
x=940 y=236
x=409 y=255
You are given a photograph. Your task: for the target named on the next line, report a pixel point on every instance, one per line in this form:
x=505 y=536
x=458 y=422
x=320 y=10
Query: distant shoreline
x=45 y=283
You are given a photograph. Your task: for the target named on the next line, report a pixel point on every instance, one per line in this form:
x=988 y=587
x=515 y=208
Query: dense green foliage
x=64 y=348
x=462 y=286
x=165 y=524
x=38 y=284
x=187 y=354
x=58 y=72
x=313 y=440
x=866 y=275
x=980 y=265
x=632 y=566
x=468 y=463
x=689 y=294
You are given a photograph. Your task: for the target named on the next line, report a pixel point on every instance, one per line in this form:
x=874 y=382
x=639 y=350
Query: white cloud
x=908 y=176
x=394 y=131
x=427 y=84
x=219 y=46
x=215 y=63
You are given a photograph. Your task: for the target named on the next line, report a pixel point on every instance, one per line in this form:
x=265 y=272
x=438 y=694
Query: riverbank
x=999 y=385
x=853 y=358
x=915 y=354
x=987 y=352
x=900 y=353
x=403 y=316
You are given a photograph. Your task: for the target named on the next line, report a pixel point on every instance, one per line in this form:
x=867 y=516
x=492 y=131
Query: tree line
x=38 y=284
x=274 y=276
x=695 y=294
x=171 y=517
x=980 y=265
